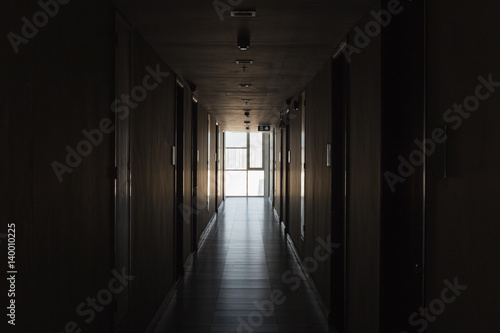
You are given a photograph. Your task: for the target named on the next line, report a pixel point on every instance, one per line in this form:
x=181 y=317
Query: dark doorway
x=179 y=179
x=122 y=254
x=402 y=229
x=287 y=174
x=217 y=157
x=282 y=174
x=339 y=191
x=195 y=159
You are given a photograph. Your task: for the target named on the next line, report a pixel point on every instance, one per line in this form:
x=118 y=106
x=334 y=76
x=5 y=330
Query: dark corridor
x=244 y=278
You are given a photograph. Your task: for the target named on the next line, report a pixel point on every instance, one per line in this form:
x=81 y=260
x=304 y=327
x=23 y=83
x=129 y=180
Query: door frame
x=216 y=159
x=287 y=172
x=194 y=177
x=179 y=179
x=339 y=186
x=122 y=172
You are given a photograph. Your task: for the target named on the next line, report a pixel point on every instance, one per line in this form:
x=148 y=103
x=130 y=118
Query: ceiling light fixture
x=244 y=40
x=246 y=101
x=245 y=85
x=243 y=13
x=244 y=61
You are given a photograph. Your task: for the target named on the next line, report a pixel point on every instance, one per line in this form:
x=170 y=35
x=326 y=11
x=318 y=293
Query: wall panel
x=318 y=174
x=205 y=213
x=55 y=87
x=152 y=137
x=294 y=177
x=363 y=188
x=402 y=225
x=462 y=210
x=278 y=182
x=188 y=189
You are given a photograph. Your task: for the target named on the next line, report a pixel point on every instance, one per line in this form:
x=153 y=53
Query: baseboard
x=310 y=281
x=163 y=307
x=189 y=260
x=159 y=313
x=207 y=230
x=221 y=207
x=276 y=215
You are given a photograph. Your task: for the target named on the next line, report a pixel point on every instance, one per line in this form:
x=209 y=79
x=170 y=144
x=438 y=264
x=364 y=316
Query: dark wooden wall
x=205 y=215
x=318 y=133
x=213 y=168
x=187 y=213
x=294 y=189
x=59 y=84
x=462 y=210
x=285 y=180
x=402 y=224
x=278 y=153
x=220 y=168
x=363 y=187
x=152 y=137
x=318 y=174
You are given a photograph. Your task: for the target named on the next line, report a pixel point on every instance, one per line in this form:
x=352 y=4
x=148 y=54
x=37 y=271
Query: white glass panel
x=236 y=140
x=236 y=183
x=255 y=183
x=236 y=159
x=256 y=150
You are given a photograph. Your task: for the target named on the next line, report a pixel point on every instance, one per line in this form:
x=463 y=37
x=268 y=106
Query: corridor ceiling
x=289 y=42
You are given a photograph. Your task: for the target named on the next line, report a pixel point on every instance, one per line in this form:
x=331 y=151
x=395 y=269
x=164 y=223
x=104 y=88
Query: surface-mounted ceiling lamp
x=243 y=40
x=243 y=13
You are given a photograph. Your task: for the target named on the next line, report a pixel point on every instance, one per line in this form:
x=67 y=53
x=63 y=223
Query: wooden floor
x=244 y=278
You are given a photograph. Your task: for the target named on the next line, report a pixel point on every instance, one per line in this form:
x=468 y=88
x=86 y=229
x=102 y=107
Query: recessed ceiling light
x=247 y=128
x=246 y=100
x=244 y=61
x=247 y=121
x=245 y=85
x=243 y=40
x=243 y=13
